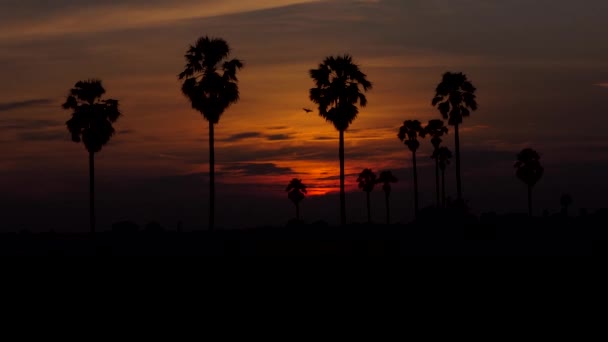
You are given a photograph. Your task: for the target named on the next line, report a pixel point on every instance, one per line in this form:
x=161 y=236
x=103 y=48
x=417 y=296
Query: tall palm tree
x=455 y=99
x=211 y=85
x=91 y=123
x=367 y=181
x=296 y=192
x=436 y=129
x=408 y=134
x=443 y=156
x=339 y=87
x=386 y=178
x=529 y=171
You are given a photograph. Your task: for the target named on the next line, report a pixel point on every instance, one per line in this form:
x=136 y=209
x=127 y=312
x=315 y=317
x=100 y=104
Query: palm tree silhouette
x=386 y=178
x=367 y=181
x=296 y=192
x=409 y=133
x=443 y=156
x=337 y=92
x=529 y=171
x=210 y=92
x=455 y=99
x=566 y=201
x=91 y=123
x=436 y=129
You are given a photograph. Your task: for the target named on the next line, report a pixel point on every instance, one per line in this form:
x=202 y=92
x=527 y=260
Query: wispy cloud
x=7 y=106
x=275 y=137
x=257 y=169
x=603 y=84
x=24 y=124
x=242 y=136
x=44 y=136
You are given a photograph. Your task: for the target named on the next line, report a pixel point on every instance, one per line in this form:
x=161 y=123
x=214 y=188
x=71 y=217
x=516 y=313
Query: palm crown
x=296 y=190
x=209 y=91
x=455 y=97
x=367 y=180
x=386 y=178
x=338 y=90
x=436 y=129
x=409 y=133
x=92 y=116
x=528 y=166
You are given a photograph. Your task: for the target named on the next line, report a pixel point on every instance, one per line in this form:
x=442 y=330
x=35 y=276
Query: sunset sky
x=540 y=67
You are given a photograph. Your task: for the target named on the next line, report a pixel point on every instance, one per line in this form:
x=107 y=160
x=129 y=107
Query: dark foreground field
x=490 y=235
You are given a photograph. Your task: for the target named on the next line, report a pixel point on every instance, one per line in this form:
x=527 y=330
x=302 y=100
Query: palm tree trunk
x=369 y=215
x=388 y=208
x=443 y=188
x=457 y=145
x=415 y=185
x=92 y=192
x=437 y=181
x=529 y=200
x=342 y=194
x=211 y=178
x=298 y=211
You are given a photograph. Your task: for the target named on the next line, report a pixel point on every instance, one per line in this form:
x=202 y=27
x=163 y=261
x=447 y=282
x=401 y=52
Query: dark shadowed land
x=433 y=234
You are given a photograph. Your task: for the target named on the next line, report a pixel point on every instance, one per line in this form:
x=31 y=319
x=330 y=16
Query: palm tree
x=296 y=192
x=455 y=99
x=367 y=181
x=443 y=156
x=409 y=133
x=436 y=129
x=210 y=83
x=337 y=91
x=529 y=171
x=386 y=178
x=91 y=123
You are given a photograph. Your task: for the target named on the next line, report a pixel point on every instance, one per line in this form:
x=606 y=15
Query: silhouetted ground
x=433 y=235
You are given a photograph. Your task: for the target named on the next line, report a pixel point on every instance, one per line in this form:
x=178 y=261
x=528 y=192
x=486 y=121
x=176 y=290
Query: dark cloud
x=275 y=137
x=276 y=128
x=254 y=169
x=23 y=124
x=7 y=106
x=126 y=131
x=325 y=138
x=242 y=136
x=44 y=136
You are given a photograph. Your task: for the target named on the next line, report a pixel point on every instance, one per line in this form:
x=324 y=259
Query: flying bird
x=307 y=110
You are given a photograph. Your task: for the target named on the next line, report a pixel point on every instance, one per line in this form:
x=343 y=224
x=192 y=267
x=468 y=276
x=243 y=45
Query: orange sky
x=533 y=70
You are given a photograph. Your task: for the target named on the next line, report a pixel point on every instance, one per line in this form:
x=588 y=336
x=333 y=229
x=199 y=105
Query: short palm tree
x=367 y=181
x=91 y=123
x=386 y=178
x=443 y=156
x=455 y=99
x=339 y=88
x=408 y=134
x=436 y=129
x=210 y=83
x=296 y=192
x=529 y=171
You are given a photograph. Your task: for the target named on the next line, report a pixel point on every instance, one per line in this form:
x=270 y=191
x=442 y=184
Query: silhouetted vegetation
x=296 y=192
x=91 y=123
x=408 y=134
x=455 y=99
x=339 y=87
x=386 y=178
x=529 y=171
x=367 y=181
x=436 y=129
x=210 y=92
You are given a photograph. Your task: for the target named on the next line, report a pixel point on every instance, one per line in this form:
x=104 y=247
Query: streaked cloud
x=7 y=106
